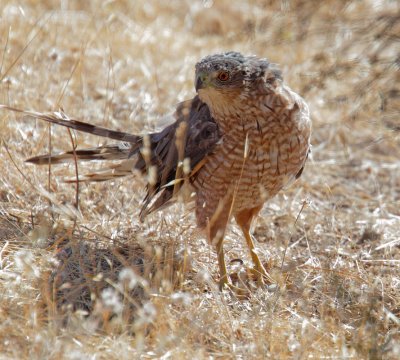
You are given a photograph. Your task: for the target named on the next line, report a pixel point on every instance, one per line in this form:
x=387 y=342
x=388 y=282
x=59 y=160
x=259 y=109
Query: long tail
x=60 y=118
x=107 y=152
x=111 y=172
x=124 y=151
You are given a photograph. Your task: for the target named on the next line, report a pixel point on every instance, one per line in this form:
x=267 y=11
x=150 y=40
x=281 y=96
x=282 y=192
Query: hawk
x=243 y=137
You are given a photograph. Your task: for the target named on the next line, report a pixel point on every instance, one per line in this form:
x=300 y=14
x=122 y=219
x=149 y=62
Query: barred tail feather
x=107 y=152
x=112 y=172
x=60 y=118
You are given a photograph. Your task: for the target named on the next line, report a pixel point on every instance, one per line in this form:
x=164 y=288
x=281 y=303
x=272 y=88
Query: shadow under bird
x=244 y=137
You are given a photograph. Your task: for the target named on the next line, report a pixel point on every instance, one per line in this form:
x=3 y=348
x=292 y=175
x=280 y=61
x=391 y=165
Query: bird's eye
x=223 y=76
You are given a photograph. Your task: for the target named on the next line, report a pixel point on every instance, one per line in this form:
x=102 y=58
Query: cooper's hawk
x=236 y=144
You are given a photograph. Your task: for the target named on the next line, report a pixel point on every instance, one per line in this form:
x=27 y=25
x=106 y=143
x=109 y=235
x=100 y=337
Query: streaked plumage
x=246 y=137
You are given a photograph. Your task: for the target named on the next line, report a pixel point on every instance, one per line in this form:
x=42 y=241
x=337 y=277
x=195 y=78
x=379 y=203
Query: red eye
x=223 y=76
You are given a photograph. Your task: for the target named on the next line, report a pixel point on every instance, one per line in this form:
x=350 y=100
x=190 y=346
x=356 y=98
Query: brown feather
x=107 y=152
x=168 y=148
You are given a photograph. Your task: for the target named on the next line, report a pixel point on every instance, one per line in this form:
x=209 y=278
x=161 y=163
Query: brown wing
x=193 y=135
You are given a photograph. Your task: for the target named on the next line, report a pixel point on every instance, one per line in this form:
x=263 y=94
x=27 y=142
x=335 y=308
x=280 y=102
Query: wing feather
x=193 y=135
x=199 y=136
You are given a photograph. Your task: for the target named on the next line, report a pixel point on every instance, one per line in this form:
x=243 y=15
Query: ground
x=96 y=283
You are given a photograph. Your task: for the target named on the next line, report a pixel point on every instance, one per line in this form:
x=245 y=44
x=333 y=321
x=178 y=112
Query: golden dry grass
x=99 y=284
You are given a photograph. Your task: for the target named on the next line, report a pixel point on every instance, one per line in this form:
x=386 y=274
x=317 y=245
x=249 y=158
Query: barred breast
x=259 y=155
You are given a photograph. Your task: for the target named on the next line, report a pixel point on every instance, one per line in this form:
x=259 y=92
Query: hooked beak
x=201 y=81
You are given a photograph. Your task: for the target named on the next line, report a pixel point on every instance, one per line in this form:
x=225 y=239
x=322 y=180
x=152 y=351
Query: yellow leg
x=261 y=273
x=224 y=280
x=216 y=231
x=244 y=220
x=223 y=273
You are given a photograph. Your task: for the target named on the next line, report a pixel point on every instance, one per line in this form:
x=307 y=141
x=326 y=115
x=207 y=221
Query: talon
x=262 y=277
x=223 y=282
x=241 y=293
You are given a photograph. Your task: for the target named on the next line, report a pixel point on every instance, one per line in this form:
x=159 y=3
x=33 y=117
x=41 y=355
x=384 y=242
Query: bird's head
x=225 y=79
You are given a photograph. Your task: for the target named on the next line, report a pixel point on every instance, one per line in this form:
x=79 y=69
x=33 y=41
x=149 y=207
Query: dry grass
x=98 y=284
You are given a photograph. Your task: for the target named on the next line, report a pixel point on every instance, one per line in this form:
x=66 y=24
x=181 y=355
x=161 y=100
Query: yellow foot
x=248 y=278
x=240 y=292
x=262 y=277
